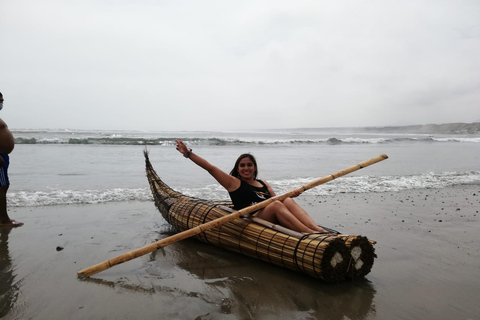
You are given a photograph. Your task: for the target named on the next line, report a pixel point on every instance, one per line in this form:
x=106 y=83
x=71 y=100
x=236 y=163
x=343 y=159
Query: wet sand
x=428 y=264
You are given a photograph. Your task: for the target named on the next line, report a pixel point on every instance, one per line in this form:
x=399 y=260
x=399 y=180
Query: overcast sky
x=228 y=65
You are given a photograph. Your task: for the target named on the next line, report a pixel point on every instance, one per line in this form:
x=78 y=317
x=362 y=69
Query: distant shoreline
x=444 y=128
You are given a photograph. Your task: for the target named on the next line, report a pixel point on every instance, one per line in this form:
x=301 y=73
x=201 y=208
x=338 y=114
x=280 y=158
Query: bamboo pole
x=220 y=221
x=268 y=224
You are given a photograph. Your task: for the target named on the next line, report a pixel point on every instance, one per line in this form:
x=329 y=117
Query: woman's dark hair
x=234 y=171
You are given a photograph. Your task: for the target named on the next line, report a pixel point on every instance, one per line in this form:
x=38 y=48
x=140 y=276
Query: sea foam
x=355 y=184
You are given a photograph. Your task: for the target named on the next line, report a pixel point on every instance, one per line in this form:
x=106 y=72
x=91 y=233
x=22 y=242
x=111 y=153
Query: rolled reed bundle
x=320 y=256
x=327 y=258
x=362 y=255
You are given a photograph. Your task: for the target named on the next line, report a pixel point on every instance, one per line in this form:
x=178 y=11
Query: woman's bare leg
x=277 y=211
x=301 y=215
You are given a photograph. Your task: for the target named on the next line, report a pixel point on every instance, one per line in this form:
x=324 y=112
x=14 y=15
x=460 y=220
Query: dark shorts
x=3 y=171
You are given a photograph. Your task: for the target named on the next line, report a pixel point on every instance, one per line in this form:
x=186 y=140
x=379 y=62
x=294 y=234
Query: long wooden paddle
x=220 y=221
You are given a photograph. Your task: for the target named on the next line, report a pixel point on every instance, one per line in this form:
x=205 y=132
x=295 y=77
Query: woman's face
x=246 y=169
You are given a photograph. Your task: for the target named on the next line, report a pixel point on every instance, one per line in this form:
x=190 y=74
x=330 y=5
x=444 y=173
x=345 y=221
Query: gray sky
x=228 y=65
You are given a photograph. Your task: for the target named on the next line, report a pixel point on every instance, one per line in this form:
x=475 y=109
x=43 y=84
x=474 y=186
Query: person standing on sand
x=6 y=147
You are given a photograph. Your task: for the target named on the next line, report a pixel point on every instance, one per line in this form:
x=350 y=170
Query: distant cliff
x=446 y=128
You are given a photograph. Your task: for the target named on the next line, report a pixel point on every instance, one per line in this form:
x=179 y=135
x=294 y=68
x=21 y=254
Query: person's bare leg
x=5 y=220
x=277 y=211
x=301 y=215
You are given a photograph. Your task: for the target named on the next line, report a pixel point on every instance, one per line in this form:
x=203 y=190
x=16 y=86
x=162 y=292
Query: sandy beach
x=428 y=264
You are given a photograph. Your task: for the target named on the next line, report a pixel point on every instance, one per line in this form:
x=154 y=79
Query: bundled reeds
x=329 y=258
x=362 y=254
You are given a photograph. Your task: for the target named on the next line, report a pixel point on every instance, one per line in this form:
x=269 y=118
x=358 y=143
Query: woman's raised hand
x=181 y=147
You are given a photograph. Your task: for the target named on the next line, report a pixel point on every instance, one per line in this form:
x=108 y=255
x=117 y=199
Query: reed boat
x=332 y=258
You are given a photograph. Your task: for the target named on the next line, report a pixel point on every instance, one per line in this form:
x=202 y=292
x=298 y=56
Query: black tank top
x=246 y=195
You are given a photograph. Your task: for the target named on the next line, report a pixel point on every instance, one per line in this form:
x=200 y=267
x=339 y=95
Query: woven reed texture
x=329 y=258
x=362 y=256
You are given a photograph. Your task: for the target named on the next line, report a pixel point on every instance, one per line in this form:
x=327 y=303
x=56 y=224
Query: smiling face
x=246 y=169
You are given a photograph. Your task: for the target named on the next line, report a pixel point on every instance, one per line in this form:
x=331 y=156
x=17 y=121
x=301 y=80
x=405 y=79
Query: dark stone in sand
x=226 y=306
x=59 y=248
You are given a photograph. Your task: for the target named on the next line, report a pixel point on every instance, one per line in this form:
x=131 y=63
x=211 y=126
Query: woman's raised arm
x=230 y=183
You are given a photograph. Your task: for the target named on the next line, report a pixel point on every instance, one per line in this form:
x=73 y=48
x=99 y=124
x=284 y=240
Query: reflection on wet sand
x=122 y=284
x=245 y=288
x=258 y=289
x=8 y=287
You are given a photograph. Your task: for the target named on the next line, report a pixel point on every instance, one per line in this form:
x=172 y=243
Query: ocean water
x=57 y=167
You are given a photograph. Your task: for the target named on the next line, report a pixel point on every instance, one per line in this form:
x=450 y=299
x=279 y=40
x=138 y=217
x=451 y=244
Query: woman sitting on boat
x=244 y=190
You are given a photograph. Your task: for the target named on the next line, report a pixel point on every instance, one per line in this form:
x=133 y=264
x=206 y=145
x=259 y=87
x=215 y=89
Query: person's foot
x=11 y=224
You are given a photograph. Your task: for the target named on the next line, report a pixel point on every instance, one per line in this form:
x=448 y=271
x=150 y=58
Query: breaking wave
x=355 y=184
x=235 y=141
